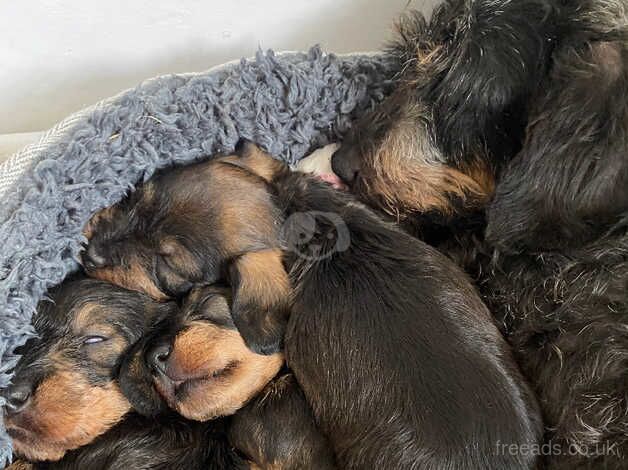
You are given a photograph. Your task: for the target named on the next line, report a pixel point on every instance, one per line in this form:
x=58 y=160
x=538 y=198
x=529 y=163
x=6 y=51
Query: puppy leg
x=261 y=300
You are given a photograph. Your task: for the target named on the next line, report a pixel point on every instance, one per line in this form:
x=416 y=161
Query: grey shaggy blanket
x=288 y=103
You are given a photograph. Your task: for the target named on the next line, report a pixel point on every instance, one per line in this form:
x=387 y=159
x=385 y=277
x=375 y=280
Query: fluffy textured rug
x=288 y=103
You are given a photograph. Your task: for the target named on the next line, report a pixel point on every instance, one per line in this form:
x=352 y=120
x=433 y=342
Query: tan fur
x=86 y=316
x=105 y=214
x=148 y=192
x=257 y=161
x=20 y=465
x=406 y=175
x=67 y=412
x=205 y=349
x=246 y=212
x=426 y=59
x=264 y=281
x=266 y=466
x=484 y=177
x=133 y=277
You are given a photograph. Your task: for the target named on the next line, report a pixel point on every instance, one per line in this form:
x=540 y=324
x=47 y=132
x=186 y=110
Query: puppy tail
x=494 y=55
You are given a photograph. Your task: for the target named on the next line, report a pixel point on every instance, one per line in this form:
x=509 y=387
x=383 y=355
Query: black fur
x=275 y=429
x=396 y=355
x=558 y=228
x=278 y=427
x=467 y=75
x=394 y=350
x=145 y=444
x=494 y=59
x=553 y=266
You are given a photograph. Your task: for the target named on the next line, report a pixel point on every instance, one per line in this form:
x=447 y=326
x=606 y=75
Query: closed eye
x=94 y=340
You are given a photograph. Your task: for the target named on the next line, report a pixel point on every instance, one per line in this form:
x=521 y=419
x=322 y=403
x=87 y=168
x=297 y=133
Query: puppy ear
x=570 y=181
x=481 y=98
x=249 y=156
x=261 y=299
x=136 y=382
x=102 y=215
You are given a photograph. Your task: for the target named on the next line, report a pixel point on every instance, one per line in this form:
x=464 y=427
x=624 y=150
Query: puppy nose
x=91 y=259
x=158 y=357
x=18 y=397
x=346 y=165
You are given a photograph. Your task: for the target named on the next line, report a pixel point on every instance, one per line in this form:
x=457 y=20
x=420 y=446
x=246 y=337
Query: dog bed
x=288 y=103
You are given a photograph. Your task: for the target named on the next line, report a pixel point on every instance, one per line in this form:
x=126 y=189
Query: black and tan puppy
x=63 y=394
x=553 y=265
x=199 y=365
x=395 y=353
x=430 y=153
x=172 y=248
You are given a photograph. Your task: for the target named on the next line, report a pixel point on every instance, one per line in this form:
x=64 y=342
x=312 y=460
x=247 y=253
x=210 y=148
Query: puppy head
x=198 y=364
x=193 y=226
x=390 y=160
x=63 y=394
x=178 y=229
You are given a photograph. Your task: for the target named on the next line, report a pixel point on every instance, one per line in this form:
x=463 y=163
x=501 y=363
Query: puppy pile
x=236 y=314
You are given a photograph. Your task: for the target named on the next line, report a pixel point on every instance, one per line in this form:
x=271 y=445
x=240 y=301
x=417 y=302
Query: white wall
x=58 y=56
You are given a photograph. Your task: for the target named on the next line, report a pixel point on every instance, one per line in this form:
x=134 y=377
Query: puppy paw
x=261 y=299
x=262 y=331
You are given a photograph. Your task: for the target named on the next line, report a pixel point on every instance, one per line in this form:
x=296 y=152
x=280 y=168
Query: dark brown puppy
x=163 y=246
x=199 y=365
x=63 y=393
x=395 y=353
x=197 y=349
x=139 y=443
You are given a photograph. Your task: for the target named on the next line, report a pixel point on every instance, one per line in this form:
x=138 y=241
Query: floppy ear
x=496 y=58
x=261 y=299
x=570 y=181
x=136 y=382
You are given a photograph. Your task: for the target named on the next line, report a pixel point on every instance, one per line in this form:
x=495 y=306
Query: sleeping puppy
x=552 y=266
x=198 y=365
x=429 y=154
x=163 y=246
x=64 y=395
x=394 y=351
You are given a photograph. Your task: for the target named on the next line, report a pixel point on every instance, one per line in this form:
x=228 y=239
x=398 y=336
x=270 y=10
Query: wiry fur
x=554 y=265
x=559 y=228
x=466 y=78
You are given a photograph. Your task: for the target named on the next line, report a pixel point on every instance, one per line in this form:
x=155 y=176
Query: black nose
x=157 y=357
x=18 y=397
x=91 y=259
x=346 y=163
